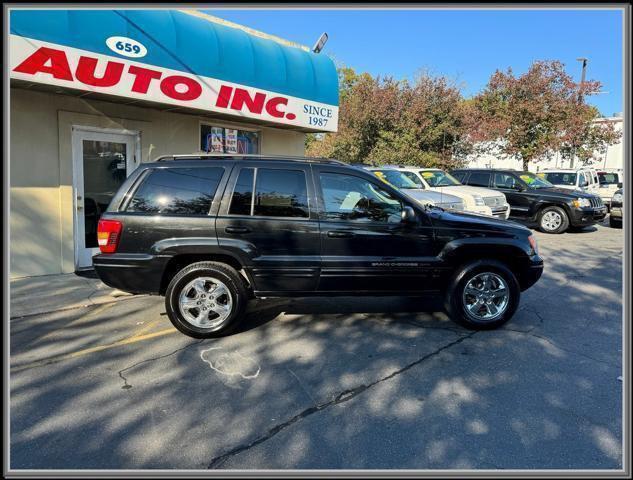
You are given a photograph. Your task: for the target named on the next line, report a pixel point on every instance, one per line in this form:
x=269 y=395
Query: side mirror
x=408 y=215
x=518 y=187
x=584 y=184
x=620 y=185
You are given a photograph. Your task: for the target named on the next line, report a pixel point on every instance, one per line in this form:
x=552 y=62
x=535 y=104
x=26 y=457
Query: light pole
x=580 y=98
x=582 y=77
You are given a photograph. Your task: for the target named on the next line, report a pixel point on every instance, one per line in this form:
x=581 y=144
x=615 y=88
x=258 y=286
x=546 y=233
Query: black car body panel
x=525 y=203
x=311 y=254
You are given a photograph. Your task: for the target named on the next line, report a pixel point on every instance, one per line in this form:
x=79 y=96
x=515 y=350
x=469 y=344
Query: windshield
x=608 y=178
x=437 y=178
x=396 y=178
x=534 y=181
x=559 y=178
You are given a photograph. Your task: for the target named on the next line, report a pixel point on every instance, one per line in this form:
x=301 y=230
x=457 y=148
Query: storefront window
x=228 y=140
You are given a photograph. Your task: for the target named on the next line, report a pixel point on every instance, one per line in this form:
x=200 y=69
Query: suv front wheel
x=553 y=220
x=482 y=295
x=206 y=299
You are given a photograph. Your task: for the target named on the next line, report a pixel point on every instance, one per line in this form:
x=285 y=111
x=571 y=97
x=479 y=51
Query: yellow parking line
x=98 y=348
x=144 y=329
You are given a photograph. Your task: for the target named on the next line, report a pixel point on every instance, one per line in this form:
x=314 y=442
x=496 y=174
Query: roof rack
x=248 y=156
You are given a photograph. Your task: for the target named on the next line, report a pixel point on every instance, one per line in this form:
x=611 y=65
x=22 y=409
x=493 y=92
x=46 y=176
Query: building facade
x=96 y=92
x=613 y=157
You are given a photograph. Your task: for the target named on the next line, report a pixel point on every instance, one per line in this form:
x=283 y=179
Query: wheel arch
x=179 y=261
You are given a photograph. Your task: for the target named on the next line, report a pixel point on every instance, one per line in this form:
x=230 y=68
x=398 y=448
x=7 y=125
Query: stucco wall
x=612 y=158
x=41 y=172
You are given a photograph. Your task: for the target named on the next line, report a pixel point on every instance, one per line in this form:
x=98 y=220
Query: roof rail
x=248 y=156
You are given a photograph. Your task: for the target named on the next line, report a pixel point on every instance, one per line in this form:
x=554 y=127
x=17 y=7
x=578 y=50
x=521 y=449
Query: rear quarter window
x=176 y=191
x=479 y=179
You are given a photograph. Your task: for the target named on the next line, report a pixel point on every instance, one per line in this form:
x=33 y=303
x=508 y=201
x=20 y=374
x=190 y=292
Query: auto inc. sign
x=42 y=62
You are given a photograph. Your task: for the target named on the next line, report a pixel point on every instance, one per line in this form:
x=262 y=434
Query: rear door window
x=281 y=193
x=278 y=193
x=479 y=179
x=177 y=191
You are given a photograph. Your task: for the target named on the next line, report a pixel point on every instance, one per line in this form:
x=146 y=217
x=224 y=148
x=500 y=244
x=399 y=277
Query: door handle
x=340 y=234
x=237 y=230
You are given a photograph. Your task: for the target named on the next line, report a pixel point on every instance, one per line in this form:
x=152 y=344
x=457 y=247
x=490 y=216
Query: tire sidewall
x=187 y=275
x=564 y=225
x=454 y=303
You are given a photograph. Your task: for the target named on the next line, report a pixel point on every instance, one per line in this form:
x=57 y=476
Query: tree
x=384 y=121
x=531 y=116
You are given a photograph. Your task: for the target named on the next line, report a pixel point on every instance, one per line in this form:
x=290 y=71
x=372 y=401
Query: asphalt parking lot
x=357 y=383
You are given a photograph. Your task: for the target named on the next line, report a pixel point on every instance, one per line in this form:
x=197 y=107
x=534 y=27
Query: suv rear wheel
x=482 y=295
x=553 y=220
x=206 y=299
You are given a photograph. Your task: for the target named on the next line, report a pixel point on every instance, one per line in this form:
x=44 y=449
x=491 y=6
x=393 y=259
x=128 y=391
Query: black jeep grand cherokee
x=210 y=232
x=534 y=200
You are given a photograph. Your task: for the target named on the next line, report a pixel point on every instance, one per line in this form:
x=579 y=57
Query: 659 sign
x=127 y=47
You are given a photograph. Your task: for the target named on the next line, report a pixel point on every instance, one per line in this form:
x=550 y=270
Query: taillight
x=108 y=235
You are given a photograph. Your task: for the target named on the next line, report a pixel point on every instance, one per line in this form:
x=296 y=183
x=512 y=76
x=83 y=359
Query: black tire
x=615 y=223
x=454 y=299
x=219 y=271
x=547 y=212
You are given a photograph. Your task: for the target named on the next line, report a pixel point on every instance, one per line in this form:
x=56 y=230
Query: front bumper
x=616 y=212
x=480 y=209
x=581 y=217
x=134 y=273
x=530 y=275
x=502 y=212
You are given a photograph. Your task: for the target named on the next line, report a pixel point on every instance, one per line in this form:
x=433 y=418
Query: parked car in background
x=585 y=179
x=611 y=180
x=426 y=197
x=210 y=232
x=476 y=199
x=615 y=217
x=536 y=201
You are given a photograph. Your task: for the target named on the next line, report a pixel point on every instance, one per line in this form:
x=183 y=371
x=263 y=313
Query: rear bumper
x=587 y=216
x=129 y=272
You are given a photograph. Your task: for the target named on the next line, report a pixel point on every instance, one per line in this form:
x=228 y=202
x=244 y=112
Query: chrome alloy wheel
x=205 y=302
x=486 y=296
x=551 y=220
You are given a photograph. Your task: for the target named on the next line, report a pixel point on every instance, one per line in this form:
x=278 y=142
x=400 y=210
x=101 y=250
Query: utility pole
x=580 y=98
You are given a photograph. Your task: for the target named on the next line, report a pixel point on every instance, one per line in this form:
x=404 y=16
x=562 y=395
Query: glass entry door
x=102 y=161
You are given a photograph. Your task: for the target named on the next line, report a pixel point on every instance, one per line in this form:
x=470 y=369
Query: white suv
x=585 y=179
x=476 y=199
x=611 y=180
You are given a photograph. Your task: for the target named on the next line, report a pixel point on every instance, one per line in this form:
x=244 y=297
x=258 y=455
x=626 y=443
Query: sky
x=465 y=45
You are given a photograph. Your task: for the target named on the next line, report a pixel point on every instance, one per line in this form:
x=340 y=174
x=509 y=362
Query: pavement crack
x=551 y=342
x=342 y=397
x=127 y=386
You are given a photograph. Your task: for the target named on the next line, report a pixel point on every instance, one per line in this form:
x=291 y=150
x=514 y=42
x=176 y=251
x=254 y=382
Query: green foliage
x=384 y=121
x=531 y=116
x=429 y=123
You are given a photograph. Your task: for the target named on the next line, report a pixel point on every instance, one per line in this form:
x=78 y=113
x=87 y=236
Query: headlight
x=581 y=202
x=479 y=200
x=533 y=244
x=617 y=198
